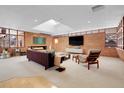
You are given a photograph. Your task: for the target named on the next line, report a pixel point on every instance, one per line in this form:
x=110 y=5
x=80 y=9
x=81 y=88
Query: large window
x=2 y=40
x=6 y=41
x=120 y=34
x=13 y=41
x=111 y=37
x=20 y=40
x=11 y=38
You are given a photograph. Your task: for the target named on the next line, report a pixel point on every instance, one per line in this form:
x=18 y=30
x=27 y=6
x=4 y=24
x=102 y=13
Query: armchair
x=92 y=58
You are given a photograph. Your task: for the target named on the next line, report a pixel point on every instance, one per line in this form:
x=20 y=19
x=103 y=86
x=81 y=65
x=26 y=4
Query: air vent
x=97 y=8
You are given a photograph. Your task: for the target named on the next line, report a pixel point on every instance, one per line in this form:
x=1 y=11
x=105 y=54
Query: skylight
x=53 y=22
x=53 y=27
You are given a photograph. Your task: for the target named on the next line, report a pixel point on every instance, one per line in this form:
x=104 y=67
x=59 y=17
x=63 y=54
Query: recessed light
x=88 y=21
x=35 y=20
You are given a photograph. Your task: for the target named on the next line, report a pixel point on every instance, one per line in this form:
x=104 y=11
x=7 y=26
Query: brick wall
x=29 y=40
x=94 y=40
x=97 y=40
x=120 y=53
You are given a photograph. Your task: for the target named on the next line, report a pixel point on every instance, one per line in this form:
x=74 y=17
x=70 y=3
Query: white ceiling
x=75 y=17
x=53 y=27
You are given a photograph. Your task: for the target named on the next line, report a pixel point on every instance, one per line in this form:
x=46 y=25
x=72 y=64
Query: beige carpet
x=110 y=73
x=16 y=67
x=27 y=82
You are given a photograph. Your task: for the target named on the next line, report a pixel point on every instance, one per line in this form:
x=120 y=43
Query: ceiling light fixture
x=35 y=20
x=88 y=22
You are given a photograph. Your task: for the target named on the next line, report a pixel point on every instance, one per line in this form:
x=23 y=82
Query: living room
x=40 y=49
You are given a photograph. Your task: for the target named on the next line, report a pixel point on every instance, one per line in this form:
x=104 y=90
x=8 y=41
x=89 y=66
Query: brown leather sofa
x=46 y=59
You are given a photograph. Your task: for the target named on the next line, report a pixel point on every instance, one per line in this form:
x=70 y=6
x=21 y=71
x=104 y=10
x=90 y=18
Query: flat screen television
x=39 y=40
x=76 y=40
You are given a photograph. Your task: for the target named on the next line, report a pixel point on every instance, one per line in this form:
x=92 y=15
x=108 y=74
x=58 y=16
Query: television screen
x=39 y=40
x=76 y=40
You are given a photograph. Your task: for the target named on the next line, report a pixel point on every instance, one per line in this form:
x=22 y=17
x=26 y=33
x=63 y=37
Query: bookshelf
x=120 y=35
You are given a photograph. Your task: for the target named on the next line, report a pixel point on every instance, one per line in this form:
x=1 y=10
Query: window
x=11 y=38
x=111 y=37
x=6 y=40
x=20 y=33
x=4 y=37
x=1 y=40
x=13 y=32
x=13 y=41
x=120 y=35
x=20 y=41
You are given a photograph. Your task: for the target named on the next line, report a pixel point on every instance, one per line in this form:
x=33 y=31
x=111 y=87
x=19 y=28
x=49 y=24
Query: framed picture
x=110 y=40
